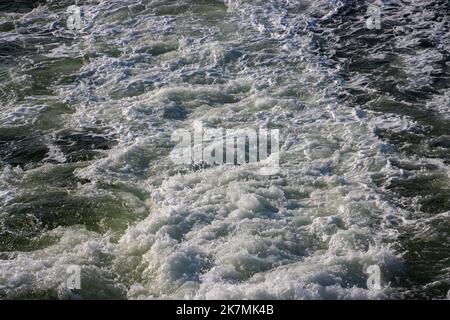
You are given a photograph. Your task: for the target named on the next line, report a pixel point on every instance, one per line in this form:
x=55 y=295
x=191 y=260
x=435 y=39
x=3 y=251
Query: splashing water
x=87 y=114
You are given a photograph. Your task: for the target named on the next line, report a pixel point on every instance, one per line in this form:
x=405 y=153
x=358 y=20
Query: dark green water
x=86 y=178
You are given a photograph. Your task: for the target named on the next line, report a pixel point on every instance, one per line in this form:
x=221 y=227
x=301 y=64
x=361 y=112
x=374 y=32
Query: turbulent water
x=86 y=178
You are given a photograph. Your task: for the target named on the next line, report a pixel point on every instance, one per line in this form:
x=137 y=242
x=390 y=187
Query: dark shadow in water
x=83 y=145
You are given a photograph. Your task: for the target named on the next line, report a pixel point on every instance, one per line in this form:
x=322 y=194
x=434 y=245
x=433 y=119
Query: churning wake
x=85 y=137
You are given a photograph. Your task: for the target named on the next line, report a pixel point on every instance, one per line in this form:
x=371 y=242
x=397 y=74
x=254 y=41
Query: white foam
x=309 y=232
